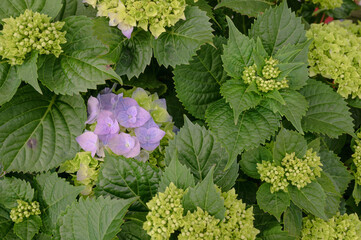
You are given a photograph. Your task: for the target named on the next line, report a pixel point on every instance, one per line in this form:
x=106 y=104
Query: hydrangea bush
x=175 y=119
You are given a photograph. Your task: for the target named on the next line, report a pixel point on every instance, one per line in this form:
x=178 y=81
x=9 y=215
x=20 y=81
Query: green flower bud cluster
x=295 y=171
x=327 y=4
x=166 y=213
x=357 y=160
x=268 y=81
x=346 y=227
x=146 y=14
x=24 y=210
x=157 y=157
x=30 y=31
x=85 y=171
x=334 y=53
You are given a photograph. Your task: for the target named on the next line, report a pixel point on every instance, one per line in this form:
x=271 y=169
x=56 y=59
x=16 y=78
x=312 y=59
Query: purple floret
x=129 y=114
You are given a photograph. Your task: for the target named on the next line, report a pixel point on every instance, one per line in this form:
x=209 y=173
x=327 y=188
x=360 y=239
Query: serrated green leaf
x=176 y=173
x=6 y=224
x=179 y=43
x=274 y=203
x=205 y=196
x=13 y=8
x=275 y=95
x=80 y=66
x=13 y=189
x=288 y=142
x=278 y=27
x=311 y=198
x=295 y=108
x=239 y=96
x=38 y=132
x=335 y=170
x=9 y=82
x=198 y=150
x=263 y=221
x=292 y=220
x=246 y=7
x=133 y=230
x=55 y=195
x=327 y=113
x=127 y=178
x=251 y=158
x=69 y=9
x=333 y=197
x=27 y=229
x=197 y=83
x=253 y=128
x=135 y=55
x=238 y=53
x=93 y=219
x=28 y=71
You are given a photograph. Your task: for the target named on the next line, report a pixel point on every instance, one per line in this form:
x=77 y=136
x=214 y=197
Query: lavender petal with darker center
x=107 y=124
x=124 y=144
x=89 y=142
x=129 y=114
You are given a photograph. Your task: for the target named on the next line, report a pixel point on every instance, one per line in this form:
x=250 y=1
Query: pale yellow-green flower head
x=327 y=4
x=24 y=210
x=275 y=175
x=31 y=31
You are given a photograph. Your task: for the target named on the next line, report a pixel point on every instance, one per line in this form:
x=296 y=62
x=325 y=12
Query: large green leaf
x=327 y=113
x=278 y=27
x=238 y=52
x=28 y=71
x=311 y=198
x=127 y=178
x=179 y=43
x=274 y=203
x=288 y=142
x=176 y=173
x=80 y=66
x=253 y=128
x=197 y=83
x=6 y=224
x=13 y=8
x=93 y=219
x=246 y=7
x=9 y=82
x=205 y=196
x=198 y=150
x=295 y=108
x=240 y=96
x=292 y=220
x=333 y=196
x=27 y=229
x=55 y=195
x=251 y=158
x=13 y=189
x=37 y=132
x=133 y=230
x=135 y=55
x=276 y=233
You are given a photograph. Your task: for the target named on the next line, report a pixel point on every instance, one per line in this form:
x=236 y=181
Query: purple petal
x=106 y=124
x=150 y=146
x=93 y=110
x=161 y=103
x=142 y=117
x=132 y=111
x=155 y=134
x=135 y=150
x=105 y=138
x=122 y=143
x=108 y=101
x=89 y=142
x=127 y=33
x=150 y=124
x=124 y=103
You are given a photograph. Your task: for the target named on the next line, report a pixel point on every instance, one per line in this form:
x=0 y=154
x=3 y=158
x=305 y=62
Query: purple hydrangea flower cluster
x=121 y=124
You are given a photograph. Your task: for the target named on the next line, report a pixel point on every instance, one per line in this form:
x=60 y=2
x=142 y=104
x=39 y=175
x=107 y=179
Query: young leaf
x=93 y=219
x=240 y=97
x=9 y=82
x=27 y=229
x=28 y=71
x=80 y=66
x=295 y=108
x=292 y=220
x=205 y=196
x=253 y=128
x=13 y=189
x=13 y=8
x=199 y=151
x=327 y=113
x=311 y=198
x=38 y=132
x=288 y=142
x=180 y=42
x=55 y=195
x=333 y=197
x=126 y=178
x=197 y=83
x=246 y=7
x=274 y=203
x=238 y=53
x=278 y=27
x=176 y=173
x=251 y=158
